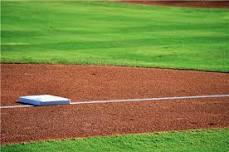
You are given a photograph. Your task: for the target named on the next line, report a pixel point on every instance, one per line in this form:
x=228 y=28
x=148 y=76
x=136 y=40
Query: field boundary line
x=16 y=106
x=153 y=99
x=129 y=100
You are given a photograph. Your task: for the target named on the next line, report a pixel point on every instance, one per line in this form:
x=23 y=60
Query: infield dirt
x=58 y=122
x=81 y=83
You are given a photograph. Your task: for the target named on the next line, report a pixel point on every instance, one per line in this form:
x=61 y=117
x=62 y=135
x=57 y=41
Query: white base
x=43 y=100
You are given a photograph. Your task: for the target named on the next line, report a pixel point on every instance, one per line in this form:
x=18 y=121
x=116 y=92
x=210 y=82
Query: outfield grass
x=115 y=33
x=189 y=141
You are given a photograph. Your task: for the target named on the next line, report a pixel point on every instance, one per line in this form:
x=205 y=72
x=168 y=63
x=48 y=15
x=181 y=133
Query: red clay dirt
x=82 y=83
x=98 y=82
x=56 y=122
x=183 y=3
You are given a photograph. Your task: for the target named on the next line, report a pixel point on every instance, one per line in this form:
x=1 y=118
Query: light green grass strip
x=212 y=140
x=89 y=32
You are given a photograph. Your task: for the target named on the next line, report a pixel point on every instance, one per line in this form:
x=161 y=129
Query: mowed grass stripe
x=213 y=140
x=116 y=34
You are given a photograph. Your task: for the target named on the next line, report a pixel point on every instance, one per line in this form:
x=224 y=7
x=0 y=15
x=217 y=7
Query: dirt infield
x=81 y=83
x=180 y=3
x=98 y=82
x=26 y=124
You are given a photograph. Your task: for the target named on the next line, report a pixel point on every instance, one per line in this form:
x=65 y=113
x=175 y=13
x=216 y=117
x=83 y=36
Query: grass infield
x=212 y=140
x=112 y=33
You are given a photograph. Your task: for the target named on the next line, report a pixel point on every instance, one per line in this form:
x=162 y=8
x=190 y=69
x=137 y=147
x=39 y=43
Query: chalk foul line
x=152 y=99
x=16 y=106
x=130 y=100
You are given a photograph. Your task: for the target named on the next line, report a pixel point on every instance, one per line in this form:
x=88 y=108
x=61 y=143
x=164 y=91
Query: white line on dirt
x=152 y=99
x=130 y=100
x=16 y=106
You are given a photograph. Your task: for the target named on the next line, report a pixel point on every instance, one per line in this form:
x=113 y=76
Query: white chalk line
x=16 y=106
x=129 y=100
x=152 y=99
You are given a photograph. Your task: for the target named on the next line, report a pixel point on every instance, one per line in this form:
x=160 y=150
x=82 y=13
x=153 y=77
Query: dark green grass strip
x=212 y=140
x=92 y=32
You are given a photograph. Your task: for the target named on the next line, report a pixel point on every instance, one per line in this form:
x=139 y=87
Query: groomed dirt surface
x=182 y=3
x=82 y=83
x=26 y=124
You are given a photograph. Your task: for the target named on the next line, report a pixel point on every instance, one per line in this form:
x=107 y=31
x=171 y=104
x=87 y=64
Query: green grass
x=84 y=32
x=215 y=140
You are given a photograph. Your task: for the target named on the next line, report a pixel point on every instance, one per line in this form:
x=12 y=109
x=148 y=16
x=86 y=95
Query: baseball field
x=142 y=75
